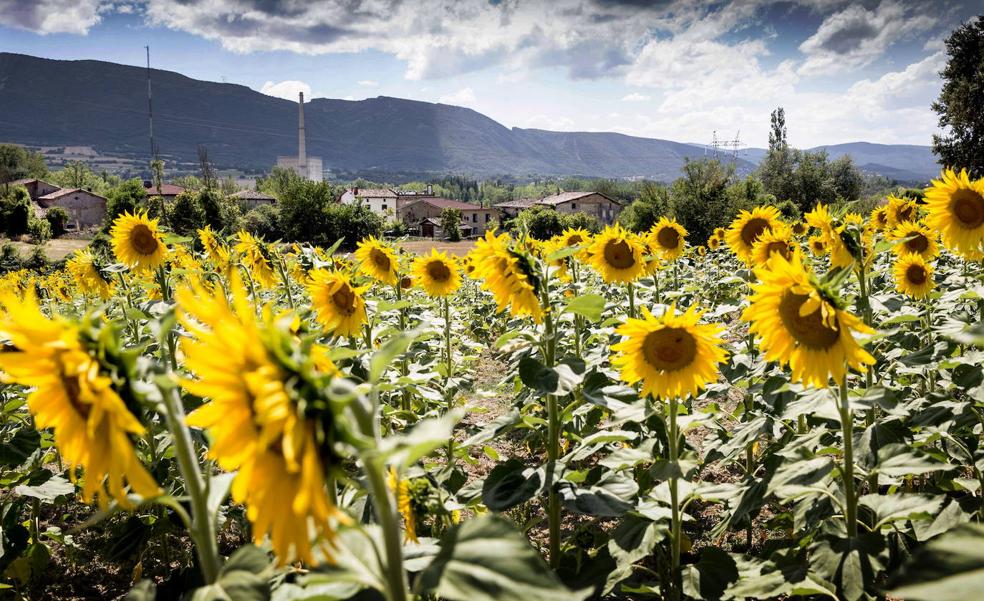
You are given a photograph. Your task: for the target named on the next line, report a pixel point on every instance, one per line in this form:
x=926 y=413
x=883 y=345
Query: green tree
x=542 y=223
x=653 y=202
x=16 y=162
x=186 y=215
x=451 y=224
x=847 y=179
x=127 y=197
x=15 y=211
x=700 y=197
x=776 y=170
x=961 y=100
x=57 y=218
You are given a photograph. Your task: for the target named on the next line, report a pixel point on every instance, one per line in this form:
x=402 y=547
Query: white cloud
x=368 y=83
x=52 y=16
x=463 y=96
x=635 y=97
x=288 y=89
x=854 y=37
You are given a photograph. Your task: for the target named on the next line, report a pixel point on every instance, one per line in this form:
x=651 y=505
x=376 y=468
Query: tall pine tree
x=961 y=102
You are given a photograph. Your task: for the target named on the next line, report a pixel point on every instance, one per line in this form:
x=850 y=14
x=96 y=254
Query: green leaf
x=385 y=356
x=145 y=590
x=487 y=559
x=20 y=446
x=512 y=483
x=902 y=506
x=248 y=558
x=403 y=450
x=588 y=306
x=897 y=460
x=559 y=380
x=946 y=569
x=218 y=489
x=54 y=487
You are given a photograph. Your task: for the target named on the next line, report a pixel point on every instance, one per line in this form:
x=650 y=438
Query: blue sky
x=673 y=69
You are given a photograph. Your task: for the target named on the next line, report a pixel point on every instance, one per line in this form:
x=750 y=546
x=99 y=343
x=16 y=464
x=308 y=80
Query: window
x=384 y=206
x=486 y=218
x=573 y=206
x=474 y=217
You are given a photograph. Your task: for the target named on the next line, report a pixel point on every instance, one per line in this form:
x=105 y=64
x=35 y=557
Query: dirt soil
x=421 y=247
x=56 y=249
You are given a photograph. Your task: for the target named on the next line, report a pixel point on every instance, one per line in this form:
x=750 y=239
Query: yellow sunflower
x=617 y=255
x=136 y=241
x=508 y=275
x=913 y=275
x=879 y=218
x=955 y=207
x=437 y=273
x=801 y=326
x=912 y=237
x=216 y=252
x=672 y=355
x=799 y=228
x=72 y=395
x=256 y=257
x=404 y=504
x=669 y=237
x=377 y=260
x=820 y=218
x=576 y=237
x=720 y=233
x=256 y=428
x=339 y=305
x=713 y=242
x=898 y=211
x=88 y=276
x=747 y=228
x=777 y=240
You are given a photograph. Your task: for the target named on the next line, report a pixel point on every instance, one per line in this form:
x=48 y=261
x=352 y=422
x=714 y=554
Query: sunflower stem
x=202 y=530
x=404 y=367
x=630 y=289
x=847 y=427
x=553 y=426
x=673 y=438
x=283 y=277
x=449 y=395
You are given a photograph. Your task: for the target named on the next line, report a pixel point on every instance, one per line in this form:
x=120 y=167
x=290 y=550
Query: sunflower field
x=785 y=410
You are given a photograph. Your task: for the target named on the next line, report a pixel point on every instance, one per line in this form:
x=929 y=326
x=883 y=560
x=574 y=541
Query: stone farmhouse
x=423 y=214
x=597 y=205
x=85 y=209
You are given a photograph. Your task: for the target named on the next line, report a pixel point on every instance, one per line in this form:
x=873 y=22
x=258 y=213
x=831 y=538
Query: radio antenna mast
x=150 y=110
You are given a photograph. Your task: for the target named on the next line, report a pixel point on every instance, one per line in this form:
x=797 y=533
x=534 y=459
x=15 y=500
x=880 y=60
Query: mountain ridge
x=46 y=102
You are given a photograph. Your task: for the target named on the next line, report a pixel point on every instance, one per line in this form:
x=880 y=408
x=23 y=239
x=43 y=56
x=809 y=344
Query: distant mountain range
x=103 y=105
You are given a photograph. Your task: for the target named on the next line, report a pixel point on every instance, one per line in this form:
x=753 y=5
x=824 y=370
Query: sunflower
x=508 y=275
x=820 y=218
x=801 y=325
x=898 y=211
x=672 y=354
x=404 y=504
x=777 y=240
x=955 y=207
x=747 y=228
x=879 y=218
x=377 y=260
x=913 y=275
x=256 y=426
x=216 y=252
x=617 y=255
x=799 y=228
x=136 y=241
x=256 y=257
x=339 y=305
x=72 y=395
x=912 y=237
x=88 y=275
x=720 y=233
x=701 y=250
x=437 y=273
x=713 y=243
x=669 y=236
x=575 y=237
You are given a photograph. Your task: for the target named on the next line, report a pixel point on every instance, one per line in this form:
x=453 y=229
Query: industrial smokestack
x=301 y=149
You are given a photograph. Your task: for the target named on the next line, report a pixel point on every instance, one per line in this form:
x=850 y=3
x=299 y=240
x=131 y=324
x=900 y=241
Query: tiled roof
x=444 y=203
x=66 y=191
x=252 y=195
x=374 y=193
x=563 y=197
x=519 y=203
x=166 y=190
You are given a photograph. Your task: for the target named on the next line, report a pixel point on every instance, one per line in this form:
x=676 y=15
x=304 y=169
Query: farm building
x=474 y=218
x=381 y=201
x=250 y=199
x=85 y=209
x=595 y=204
x=36 y=188
x=168 y=191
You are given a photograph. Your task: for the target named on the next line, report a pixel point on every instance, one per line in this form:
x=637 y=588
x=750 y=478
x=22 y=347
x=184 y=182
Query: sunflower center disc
x=807 y=330
x=143 y=240
x=753 y=229
x=438 y=271
x=618 y=254
x=344 y=299
x=574 y=240
x=916 y=274
x=73 y=391
x=778 y=247
x=380 y=259
x=905 y=213
x=968 y=206
x=918 y=244
x=405 y=282
x=669 y=349
x=668 y=237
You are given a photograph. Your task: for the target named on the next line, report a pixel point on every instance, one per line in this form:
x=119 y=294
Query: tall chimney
x=301 y=149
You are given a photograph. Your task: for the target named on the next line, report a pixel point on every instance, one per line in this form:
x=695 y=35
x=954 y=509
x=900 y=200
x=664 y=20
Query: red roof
x=166 y=190
x=66 y=191
x=444 y=203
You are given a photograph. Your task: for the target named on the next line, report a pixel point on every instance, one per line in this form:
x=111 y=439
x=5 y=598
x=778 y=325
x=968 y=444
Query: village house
x=595 y=204
x=36 y=188
x=250 y=199
x=85 y=209
x=168 y=191
x=381 y=201
x=424 y=216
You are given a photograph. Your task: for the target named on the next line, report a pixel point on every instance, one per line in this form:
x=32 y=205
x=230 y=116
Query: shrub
x=264 y=221
x=349 y=223
x=186 y=215
x=9 y=258
x=579 y=220
x=541 y=223
x=37 y=260
x=57 y=218
x=39 y=230
x=15 y=211
x=451 y=224
x=127 y=197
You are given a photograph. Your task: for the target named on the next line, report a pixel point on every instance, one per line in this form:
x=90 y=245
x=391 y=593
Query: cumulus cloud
x=855 y=36
x=52 y=16
x=463 y=96
x=288 y=89
x=635 y=97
